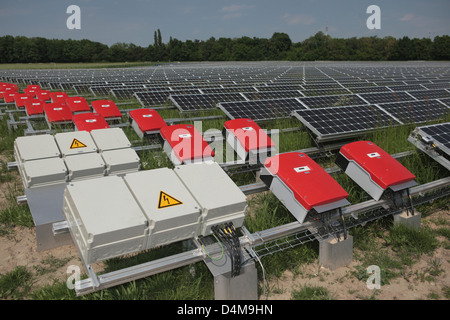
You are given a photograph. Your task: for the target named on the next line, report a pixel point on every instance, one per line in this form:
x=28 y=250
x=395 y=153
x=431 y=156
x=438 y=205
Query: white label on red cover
x=247 y=129
x=35 y=104
x=147 y=116
x=302 y=169
x=78 y=101
x=57 y=109
x=91 y=120
x=185 y=136
x=105 y=105
x=373 y=155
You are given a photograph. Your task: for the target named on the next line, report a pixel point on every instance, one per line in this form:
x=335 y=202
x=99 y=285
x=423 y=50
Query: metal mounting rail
x=143 y=270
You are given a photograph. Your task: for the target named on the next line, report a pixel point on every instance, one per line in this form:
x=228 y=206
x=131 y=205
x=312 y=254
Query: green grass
x=15 y=284
x=311 y=293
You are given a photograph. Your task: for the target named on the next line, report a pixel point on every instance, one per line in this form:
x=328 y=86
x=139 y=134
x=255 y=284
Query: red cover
x=186 y=142
x=20 y=99
x=78 y=104
x=249 y=134
x=33 y=87
x=9 y=96
x=147 y=119
x=43 y=95
x=57 y=112
x=383 y=169
x=34 y=107
x=311 y=184
x=59 y=96
x=107 y=108
x=89 y=121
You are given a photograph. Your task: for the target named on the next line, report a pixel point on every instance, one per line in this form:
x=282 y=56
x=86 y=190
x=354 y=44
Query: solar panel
x=369 y=89
x=323 y=92
x=430 y=94
x=383 y=97
x=259 y=110
x=279 y=88
x=160 y=97
x=128 y=92
x=265 y=95
x=446 y=101
x=196 y=102
x=332 y=101
x=337 y=122
x=439 y=134
x=417 y=111
x=406 y=87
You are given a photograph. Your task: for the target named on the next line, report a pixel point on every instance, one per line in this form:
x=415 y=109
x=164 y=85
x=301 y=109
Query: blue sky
x=135 y=21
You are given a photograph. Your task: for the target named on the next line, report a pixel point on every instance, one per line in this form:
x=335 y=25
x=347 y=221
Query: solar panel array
x=350 y=95
x=344 y=121
x=439 y=134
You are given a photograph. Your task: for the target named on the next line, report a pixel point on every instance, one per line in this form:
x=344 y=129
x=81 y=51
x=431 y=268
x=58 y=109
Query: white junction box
x=38 y=160
x=110 y=139
x=82 y=166
x=35 y=147
x=220 y=198
x=74 y=155
x=172 y=212
x=117 y=215
x=76 y=142
x=104 y=218
x=121 y=161
x=43 y=172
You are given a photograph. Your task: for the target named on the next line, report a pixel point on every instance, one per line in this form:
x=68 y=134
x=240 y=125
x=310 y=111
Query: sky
x=135 y=21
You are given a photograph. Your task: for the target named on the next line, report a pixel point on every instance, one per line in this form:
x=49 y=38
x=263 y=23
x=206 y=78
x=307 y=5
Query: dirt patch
x=417 y=282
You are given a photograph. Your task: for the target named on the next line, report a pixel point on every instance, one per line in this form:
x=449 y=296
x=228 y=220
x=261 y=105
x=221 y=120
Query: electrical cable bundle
x=228 y=236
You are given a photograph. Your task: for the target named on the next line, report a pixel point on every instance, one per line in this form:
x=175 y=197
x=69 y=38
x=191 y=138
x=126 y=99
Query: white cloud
x=298 y=19
x=408 y=17
x=234 y=11
x=235 y=7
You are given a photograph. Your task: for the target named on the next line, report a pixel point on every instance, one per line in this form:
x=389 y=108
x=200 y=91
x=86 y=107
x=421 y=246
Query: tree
x=281 y=41
x=441 y=48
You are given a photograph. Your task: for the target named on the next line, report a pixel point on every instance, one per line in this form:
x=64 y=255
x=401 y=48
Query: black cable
x=228 y=236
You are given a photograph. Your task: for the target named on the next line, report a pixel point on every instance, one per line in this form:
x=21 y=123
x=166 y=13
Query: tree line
x=22 y=49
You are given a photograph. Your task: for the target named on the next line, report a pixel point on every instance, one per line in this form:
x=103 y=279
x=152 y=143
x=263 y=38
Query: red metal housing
x=78 y=104
x=373 y=169
x=107 y=108
x=34 y=107
x=88 y=121
x=146 y=120
x=248 y=140
x=184 y=144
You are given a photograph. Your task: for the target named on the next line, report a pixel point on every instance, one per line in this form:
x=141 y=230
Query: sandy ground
x=18 y=248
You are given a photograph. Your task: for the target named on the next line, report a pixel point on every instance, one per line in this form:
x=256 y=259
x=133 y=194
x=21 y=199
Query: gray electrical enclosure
x=104 y=218
x=220 y=198
x=109 y=216
x=64 y=157
x=172 y=212
x=47 y=163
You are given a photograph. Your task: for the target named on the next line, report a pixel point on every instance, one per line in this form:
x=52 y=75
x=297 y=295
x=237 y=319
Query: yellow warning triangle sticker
x=166 y=201
x=77 y=144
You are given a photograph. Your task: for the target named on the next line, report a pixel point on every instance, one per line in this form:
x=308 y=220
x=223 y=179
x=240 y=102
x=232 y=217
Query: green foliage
x=311 y=293
x=411 y=243
x=15 y=284
x=21 y=49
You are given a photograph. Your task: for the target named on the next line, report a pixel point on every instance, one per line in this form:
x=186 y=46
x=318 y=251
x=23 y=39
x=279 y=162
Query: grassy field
x=400 y=247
